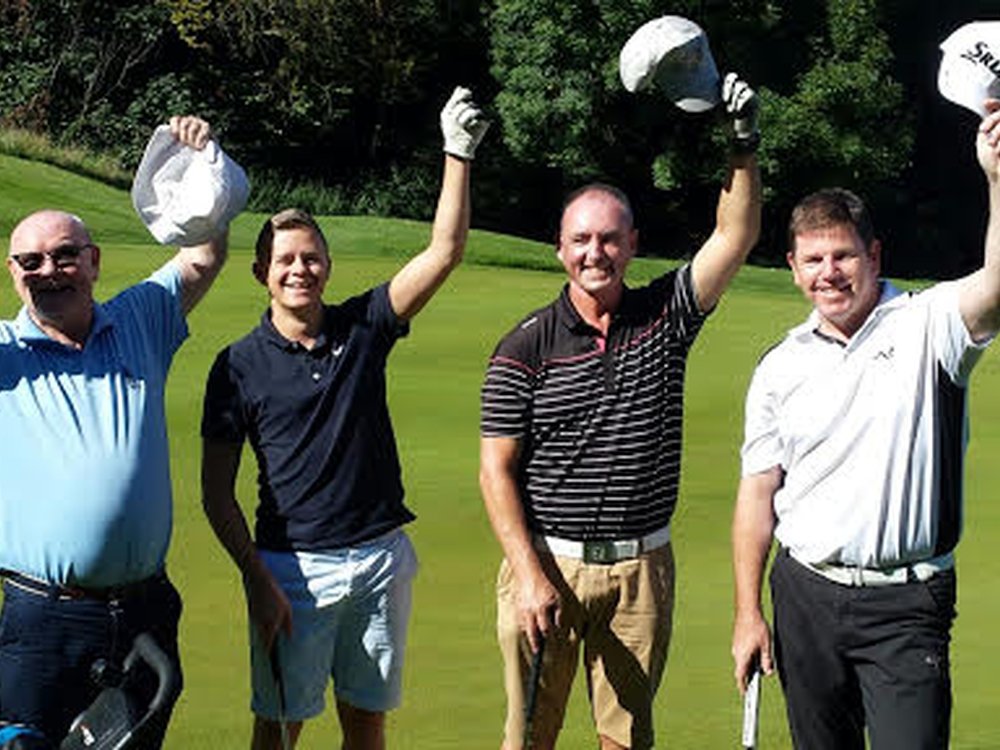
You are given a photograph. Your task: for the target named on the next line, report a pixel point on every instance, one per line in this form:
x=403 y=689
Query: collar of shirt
x=29 y=332
x=273 y=336
x=570 y=318
x=810 y=327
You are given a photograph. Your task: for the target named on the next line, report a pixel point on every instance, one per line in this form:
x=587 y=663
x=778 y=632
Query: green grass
x=36 y=147
x=453 y=693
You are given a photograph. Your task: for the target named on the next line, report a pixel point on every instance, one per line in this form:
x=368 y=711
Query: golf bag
x=117 y=718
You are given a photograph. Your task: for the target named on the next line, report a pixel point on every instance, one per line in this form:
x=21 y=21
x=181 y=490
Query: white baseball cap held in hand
x=186 y=196
x=970 y=65
x=671 y=53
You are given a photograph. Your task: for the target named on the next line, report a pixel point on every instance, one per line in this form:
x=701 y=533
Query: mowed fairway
x=453 y=694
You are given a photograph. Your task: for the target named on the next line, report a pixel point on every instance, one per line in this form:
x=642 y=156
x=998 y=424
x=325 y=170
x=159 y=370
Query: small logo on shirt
x=885 y=353
x=337 y=350
x=528 y=323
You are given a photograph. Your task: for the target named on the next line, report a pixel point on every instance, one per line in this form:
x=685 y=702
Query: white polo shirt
x=870 y=434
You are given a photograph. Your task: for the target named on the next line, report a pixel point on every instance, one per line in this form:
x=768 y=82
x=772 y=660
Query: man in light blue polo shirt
x=85 y=500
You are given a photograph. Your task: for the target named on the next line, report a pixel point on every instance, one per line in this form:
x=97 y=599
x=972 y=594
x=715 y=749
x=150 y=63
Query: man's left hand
x=462 y=124
x=191 y=131
x=741 y=105
x=988 y=140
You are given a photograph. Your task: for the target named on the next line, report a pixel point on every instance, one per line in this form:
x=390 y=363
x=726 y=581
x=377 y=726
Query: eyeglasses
x=64 y=256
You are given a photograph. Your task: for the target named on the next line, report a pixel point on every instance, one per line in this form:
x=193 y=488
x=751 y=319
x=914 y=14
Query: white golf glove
x=741 y=104
x=462 y=124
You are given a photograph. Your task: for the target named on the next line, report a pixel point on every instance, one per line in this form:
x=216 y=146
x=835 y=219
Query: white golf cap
x=970 y=65
x=186 y=196
x=672 y=53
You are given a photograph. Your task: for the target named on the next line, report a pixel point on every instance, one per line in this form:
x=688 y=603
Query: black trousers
x=854 y=657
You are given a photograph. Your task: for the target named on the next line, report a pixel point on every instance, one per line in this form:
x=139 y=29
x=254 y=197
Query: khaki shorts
x=621 y=614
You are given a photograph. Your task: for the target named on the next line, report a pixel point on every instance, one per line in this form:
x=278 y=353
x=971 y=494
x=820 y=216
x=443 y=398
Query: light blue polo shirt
x=85 y=480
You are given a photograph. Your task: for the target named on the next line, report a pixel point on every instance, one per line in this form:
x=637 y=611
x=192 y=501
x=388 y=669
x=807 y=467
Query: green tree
x=311 y=71
x=84 y=71
x=830 y=128
x=824 y=71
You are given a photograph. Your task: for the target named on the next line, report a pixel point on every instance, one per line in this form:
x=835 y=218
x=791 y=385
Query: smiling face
x=596 y=243
x=298 y=270
x=838 y=275
x=54 y=266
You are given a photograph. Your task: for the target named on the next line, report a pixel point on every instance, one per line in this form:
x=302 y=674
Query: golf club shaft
x=280 y=683
x=532 y=698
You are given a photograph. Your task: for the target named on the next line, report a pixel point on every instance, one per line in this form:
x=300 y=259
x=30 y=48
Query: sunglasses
x=64 y=256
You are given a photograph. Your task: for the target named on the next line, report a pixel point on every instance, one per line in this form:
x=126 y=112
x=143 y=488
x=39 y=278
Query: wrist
x=746 y=144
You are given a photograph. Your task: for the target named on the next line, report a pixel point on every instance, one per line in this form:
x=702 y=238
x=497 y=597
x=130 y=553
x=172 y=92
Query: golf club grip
x=751 y=706
x=532 y=698
x=145 y=648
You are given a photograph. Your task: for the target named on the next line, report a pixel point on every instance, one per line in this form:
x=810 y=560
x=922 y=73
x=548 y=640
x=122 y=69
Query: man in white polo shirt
x=852 y=460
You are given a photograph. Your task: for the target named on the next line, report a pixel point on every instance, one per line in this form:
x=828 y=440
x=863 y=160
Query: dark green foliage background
x=334 y=105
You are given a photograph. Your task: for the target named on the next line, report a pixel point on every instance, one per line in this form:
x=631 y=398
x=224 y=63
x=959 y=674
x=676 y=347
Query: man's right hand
x=538 y=608
x=270 y=610
x=751 y=646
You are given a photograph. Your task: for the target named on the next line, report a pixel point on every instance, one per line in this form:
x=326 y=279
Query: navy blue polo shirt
x=317 y=419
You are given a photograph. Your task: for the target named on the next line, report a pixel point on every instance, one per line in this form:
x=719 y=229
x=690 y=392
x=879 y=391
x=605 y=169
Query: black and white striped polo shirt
x=600 y=421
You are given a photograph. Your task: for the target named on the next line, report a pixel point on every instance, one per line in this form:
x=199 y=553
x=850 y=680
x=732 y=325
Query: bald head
x=39 y=226
x=599 y=189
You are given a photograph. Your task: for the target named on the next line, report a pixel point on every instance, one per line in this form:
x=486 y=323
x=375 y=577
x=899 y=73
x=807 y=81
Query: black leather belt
x=59 y=592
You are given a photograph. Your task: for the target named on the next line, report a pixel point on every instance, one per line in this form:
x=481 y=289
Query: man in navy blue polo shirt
x=328 y=579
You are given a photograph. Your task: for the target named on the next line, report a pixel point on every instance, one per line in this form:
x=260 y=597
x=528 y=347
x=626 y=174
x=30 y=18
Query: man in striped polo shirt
x=856 y=428
x=580 y=456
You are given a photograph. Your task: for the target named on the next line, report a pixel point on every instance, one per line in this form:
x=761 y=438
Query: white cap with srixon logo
x=970 y=65
x=671 y=53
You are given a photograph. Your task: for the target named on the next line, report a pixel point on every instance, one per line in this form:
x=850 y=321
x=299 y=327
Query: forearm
x=979 y=294
x=230 y=526
x=737 y=215
x=413 y=286
x=737 y=229
x=752 y=531
x=199 y=266
x=450 y=230
x=506 y=513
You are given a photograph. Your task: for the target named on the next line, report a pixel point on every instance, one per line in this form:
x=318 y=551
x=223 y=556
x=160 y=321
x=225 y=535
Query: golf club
x=533 y=679
x=280 y=682
x=751 y=706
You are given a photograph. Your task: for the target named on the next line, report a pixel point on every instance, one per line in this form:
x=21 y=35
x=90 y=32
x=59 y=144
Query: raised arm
x=537 y=598
x=737 y=217
x=463 y=127
x=199 y=264
x=269 y=608
x=979 y=298
x=753 y=525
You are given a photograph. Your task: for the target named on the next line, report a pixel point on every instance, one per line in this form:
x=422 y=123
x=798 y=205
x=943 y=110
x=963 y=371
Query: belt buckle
x=609 y=551
x=602 y=552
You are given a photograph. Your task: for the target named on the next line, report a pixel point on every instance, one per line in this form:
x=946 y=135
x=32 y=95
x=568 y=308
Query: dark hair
x=831 y=207
x=289 y=218
x=596 y=187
